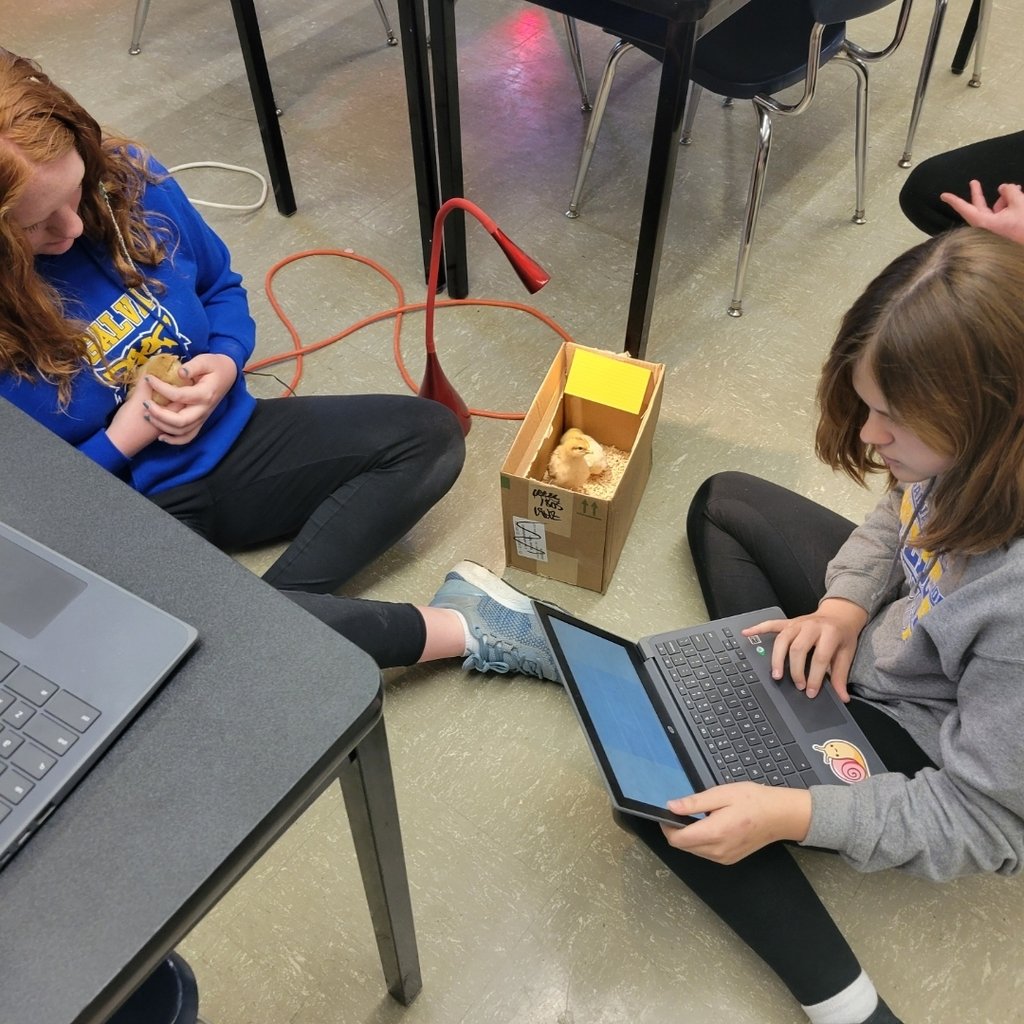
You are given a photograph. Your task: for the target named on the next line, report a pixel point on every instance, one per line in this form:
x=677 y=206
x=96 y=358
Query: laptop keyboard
x=718 y=690
x=39 y=723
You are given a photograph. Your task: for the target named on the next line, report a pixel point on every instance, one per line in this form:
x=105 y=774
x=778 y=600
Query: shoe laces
x=499 y=656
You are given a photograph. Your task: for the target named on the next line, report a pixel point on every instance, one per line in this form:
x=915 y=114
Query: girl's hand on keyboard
x=741 y=818
x=821 y=643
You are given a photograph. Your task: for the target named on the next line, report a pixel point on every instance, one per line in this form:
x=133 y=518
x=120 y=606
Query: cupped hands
x=206 y=379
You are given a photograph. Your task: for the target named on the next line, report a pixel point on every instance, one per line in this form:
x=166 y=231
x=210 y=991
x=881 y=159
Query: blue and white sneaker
x=501 y=621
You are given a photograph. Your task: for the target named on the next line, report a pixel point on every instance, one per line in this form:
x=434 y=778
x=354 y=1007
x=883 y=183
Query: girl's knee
x=730 y=484
x=451 y=441
x=441 y=441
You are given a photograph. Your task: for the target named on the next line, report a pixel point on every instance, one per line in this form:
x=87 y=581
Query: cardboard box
x=564 y=534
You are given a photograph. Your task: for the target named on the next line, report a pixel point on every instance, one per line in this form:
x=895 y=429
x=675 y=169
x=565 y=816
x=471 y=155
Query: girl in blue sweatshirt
x=104 y=264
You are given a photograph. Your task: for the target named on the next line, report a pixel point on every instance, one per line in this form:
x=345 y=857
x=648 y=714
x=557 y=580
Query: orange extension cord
x=397 y=312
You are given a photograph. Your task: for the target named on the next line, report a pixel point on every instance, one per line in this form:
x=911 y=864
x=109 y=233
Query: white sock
x=472 y=647
x=853 y=1005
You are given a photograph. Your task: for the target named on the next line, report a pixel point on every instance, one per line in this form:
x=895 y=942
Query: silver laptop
x=679 y=712
x=79 y=657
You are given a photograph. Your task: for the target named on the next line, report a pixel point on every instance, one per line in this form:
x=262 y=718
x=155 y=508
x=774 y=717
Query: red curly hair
x=39 y=123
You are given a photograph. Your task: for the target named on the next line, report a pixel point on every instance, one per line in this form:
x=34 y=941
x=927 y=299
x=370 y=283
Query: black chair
x=170 y=995
x=765 y=47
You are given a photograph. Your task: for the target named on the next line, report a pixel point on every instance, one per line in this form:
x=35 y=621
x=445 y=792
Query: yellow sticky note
x=608 y=381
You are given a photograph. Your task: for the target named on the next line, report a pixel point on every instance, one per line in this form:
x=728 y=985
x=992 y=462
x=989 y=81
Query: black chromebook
x=79 y=657
x=682 y=711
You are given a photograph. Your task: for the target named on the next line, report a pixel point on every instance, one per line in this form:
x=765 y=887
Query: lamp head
x=435 y=385
x=530 y=272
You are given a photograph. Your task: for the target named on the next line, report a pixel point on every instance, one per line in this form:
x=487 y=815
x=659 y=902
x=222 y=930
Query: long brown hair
x=942 y=332
x=39 y=123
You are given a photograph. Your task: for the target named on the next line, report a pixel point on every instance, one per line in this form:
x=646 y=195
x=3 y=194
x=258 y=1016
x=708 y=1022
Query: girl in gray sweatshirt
x=914 y=617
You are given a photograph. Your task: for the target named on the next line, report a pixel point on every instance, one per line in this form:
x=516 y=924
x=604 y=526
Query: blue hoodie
x=202 y=308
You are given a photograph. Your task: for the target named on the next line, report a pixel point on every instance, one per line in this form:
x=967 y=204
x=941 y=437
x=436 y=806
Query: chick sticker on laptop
x=845 y=760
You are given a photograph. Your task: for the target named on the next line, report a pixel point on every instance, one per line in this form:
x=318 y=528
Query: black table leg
x=668 y=120
x=966 y=44
x=449 y=139
x=413 y=31
x=263 y=100
x=369 y=790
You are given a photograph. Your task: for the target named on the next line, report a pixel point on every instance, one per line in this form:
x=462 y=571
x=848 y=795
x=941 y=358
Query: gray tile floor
x=531 y=905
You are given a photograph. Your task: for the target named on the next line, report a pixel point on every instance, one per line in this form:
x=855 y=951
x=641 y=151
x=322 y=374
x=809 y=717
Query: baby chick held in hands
x=575 y=460
x=165 y=367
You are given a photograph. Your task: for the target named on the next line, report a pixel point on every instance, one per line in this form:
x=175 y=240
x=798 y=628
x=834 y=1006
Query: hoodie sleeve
x=957 y=684
x=102 y=451
x=232 y=328
x=966 y=817
x=861 y=570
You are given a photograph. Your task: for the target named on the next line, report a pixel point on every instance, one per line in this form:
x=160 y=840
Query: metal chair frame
x=572 y=37
x=765 y=106
x=142 y=12
x=973 y=37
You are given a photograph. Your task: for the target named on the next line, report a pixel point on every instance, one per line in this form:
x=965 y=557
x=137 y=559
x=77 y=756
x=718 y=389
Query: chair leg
x=754 y=195
x=141 y=11
x=596 y=116
x=572 y=37
x=984 y=19
x=922 y=80
x=693 y=96
x=392 y=39
x=967 y=37
x=860 y=141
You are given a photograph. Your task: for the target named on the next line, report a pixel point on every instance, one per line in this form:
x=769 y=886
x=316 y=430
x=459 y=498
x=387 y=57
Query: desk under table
x=263 y=715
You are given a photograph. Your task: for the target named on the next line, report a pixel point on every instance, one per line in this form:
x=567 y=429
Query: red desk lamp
x=435 y=384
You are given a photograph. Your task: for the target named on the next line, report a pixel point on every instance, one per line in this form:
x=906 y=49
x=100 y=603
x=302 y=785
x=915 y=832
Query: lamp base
x=438 y=388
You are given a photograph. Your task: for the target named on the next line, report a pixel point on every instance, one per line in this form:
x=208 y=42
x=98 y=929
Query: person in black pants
x=913 y=618
x=992 y=162
x=107 y=272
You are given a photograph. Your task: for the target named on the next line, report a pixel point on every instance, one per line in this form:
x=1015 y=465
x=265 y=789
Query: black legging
x=993 y=162
x=757 y=545
x=342 y=477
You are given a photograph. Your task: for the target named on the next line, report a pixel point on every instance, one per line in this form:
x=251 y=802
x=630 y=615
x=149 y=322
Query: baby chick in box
x=595 y=457
x=577 y=458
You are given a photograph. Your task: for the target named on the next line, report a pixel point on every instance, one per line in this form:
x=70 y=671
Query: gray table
x=268 y=710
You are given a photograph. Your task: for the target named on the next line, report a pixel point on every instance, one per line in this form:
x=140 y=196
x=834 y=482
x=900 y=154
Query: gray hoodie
x=943 y=654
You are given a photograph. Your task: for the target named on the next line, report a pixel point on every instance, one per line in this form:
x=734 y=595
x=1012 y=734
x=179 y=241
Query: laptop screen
x=625 y=725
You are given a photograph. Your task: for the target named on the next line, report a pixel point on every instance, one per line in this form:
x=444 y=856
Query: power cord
x=397 y=313
x=264 y=189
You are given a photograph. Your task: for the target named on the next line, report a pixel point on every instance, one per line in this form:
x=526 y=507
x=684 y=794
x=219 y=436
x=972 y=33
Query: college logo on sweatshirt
x=923 y=570
x=127 y=333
